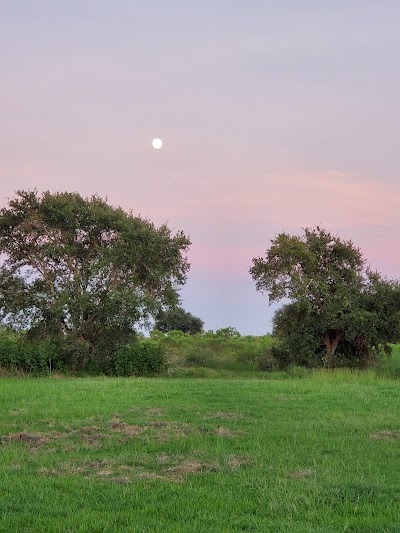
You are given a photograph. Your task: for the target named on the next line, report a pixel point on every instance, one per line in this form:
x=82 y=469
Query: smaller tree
x=178 y=319
x=339 y=308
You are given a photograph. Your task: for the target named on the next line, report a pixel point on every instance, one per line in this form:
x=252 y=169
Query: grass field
x=183 y=455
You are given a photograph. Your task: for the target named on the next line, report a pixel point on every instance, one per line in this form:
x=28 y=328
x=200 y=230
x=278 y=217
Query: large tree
x=79 y=267
x=336 y=300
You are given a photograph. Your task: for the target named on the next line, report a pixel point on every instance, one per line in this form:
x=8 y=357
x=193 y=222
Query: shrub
x=141 y=358
x=267 y=362
x=73 y=352
x=178 y=319
x=201 y=357
x=17 y=354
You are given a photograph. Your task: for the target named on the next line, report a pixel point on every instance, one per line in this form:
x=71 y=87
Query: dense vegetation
x=81 y=274
x=178 y=319
x=80 y=277
x=223 y=353
x=341 y=313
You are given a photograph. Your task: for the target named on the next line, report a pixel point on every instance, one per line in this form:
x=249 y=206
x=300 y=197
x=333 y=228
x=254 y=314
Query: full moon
x=157 y=143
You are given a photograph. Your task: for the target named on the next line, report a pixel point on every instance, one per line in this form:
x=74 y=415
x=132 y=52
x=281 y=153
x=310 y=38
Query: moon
x=157 y=143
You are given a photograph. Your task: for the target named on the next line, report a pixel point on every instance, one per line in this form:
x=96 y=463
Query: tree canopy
x=178 y=319
x=336 y=300
x=79 y=267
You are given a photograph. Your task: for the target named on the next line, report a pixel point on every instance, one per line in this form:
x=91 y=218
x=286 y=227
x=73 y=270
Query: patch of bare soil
x=154 y=476
x=91 y=435
x=127 y=429
x=301 y=474
x=105 y=472
x=192 y=467
x=121 y=480
x=225 y=432
x=15 y=467
x=18 y=411
x=96 y=464
x=166 y=430
x=159 y=424
x=89 y=430
x=163 y=458
x=48 y=472
x=151 y=411
x=224 y=415
x=34 y=439
x=236 y=461
x=391 y=435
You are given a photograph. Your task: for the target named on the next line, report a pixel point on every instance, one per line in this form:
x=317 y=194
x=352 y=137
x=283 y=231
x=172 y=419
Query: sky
x=275 y=116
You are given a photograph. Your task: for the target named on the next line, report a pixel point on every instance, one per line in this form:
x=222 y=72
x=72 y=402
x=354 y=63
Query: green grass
x=320 y=453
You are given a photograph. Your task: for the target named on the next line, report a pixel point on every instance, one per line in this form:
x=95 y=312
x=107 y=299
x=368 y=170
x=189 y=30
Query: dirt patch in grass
x=14 y=467
x=227 y=415
x=301 y=474
x=381 y=435
x=159 y=424
x=153 y=476
x=91 y=435
x=18 y=411
x=89 y=430
x=152 y=411
x=163 y=458
x=48 y=472
x=127 y=429
x=121 y=480
x=163 y=430
x=105 y=472
x=236 y=461
x=34 y=439
x=192 y=467
x=225 y=432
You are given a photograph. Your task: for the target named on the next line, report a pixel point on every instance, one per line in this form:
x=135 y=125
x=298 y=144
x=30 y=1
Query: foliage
x=77 y=267
x=142 y=358
x=178 y=319
x=227 y=333
x=17 y=354
x=341 y=313
x=228 y=350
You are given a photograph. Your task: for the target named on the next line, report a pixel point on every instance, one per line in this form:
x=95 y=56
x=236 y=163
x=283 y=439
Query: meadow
x=300 y=454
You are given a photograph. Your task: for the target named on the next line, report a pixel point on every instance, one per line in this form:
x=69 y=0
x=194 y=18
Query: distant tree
x=78 y=268
x=227 y=333
x=178 y=319
x=337 y=304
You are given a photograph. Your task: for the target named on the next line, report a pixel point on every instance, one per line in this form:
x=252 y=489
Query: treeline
x=223 y=353
x=79 y=278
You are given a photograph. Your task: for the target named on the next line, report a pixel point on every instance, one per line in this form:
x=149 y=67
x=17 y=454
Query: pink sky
x=274 y=118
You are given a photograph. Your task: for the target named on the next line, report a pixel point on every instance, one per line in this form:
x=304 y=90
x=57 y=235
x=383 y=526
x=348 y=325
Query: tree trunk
x=331 y=341
x=332 y=344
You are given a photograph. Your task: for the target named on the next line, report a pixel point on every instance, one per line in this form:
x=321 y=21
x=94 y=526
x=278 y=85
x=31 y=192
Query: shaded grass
x=313 y=454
